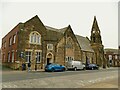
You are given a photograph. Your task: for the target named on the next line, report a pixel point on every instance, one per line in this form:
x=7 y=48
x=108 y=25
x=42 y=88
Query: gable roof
x=54 y=34
x=62 y=30
x=84 y=43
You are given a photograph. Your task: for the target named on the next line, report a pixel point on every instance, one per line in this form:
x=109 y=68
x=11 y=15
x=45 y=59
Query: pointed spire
x=95 y=21
x=95 y=32
x=95 y=24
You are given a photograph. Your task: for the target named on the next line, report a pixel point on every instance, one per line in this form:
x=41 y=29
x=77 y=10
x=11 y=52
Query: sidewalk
x=108 y=68
x=20 y=71
x=42 y=70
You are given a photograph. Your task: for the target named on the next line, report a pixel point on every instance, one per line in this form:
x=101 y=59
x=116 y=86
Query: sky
x=60 y=14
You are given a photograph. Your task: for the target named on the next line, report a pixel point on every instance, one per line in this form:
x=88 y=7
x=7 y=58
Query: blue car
x=54 y=67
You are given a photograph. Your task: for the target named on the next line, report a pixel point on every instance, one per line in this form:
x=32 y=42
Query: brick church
x=34 y=42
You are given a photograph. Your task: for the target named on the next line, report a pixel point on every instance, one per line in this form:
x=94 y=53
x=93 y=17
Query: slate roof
x=62 y=30
x=114 y=51
x=84 y=43
x=54 y=34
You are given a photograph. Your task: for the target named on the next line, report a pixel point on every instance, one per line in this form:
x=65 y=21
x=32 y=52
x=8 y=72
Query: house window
x=50 y=46
x=38 y=57
x=5 y=44
x=12 y=56
x=31 y=38
x=110 y=57
x=66 y=59
x=69 y=59
x=9 y=57
x=35 y=38
x=38 y=39
x=3 y=57
x=10 y=41
x=14 y=38
x=28 y=56
x=116 y=57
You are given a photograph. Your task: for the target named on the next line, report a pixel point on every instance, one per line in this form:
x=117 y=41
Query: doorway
x=49 y=58
x=48 y=61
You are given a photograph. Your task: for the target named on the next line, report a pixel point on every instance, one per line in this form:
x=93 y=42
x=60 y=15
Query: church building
x=39 y=44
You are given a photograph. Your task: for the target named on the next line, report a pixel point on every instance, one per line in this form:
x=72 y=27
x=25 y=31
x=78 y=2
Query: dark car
x=92 y=67
x=54 y=67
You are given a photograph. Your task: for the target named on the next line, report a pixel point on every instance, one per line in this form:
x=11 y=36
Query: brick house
x=34 y=42
x=113 y=57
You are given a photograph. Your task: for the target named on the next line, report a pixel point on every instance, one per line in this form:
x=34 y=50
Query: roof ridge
x=61 y=30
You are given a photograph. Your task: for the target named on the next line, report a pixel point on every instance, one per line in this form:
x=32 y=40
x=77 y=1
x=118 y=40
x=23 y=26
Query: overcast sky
x=79 y=15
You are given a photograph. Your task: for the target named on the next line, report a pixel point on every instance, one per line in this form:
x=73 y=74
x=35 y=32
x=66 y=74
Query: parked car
x=54 y=67
x=92 y=67
x=75 y=65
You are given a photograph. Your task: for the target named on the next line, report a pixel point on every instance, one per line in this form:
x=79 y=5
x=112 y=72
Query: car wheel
x=53 y=70
x=97 y=68
x=92 y=68
x=63 y=69
x=84 y=68
x=75 y=68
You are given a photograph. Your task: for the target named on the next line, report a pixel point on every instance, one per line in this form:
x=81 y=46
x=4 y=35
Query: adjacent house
x=39 y=44
x=113 y=57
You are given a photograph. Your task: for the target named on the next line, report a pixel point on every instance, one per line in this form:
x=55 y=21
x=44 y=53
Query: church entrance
x=49 y=58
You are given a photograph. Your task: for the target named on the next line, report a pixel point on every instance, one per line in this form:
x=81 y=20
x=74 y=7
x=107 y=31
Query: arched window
x=35 y=38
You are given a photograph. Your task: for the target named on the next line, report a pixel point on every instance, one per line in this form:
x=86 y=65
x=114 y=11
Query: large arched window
x=35 y=38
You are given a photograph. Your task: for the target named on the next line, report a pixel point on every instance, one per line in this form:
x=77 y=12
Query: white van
x=75 y=65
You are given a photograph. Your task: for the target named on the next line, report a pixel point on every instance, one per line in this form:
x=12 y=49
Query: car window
x=57 y=65
x=90 y=64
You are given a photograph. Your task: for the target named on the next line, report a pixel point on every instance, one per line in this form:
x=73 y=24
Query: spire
x=95 y=32
x=95 y=25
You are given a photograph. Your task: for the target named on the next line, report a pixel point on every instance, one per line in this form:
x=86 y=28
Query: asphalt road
x=104 y=78
x=9 y=76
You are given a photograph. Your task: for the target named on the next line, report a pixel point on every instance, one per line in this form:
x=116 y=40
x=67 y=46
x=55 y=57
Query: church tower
x=96 y=44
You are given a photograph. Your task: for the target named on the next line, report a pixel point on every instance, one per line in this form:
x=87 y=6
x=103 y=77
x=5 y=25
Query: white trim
x=10 y=41
x=13 y=56
x=38 y=50
x=29 y=50
x=14 y=38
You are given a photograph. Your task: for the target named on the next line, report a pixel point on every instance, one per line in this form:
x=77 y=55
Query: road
x=107 y=78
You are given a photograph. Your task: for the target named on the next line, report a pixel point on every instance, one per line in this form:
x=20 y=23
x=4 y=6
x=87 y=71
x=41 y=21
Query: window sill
x=36 y=43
